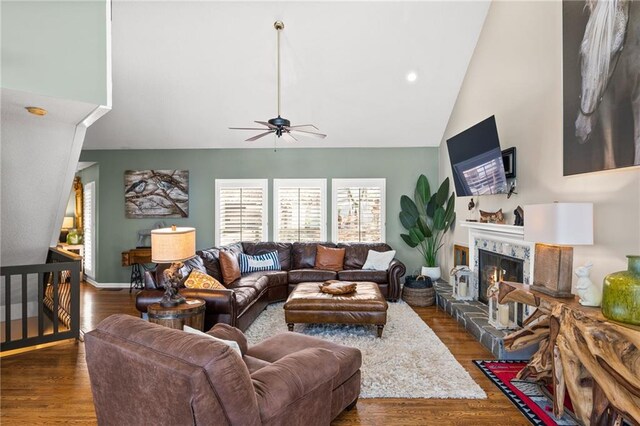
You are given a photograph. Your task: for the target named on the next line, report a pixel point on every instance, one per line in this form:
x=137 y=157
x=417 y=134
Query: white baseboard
x=106 y=285
x=16 y=310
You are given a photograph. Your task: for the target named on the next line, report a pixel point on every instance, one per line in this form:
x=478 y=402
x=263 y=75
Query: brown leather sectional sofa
x=244 y=299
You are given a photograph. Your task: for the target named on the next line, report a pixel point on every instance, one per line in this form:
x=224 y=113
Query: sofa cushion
x=229 y=267
x=227 y=332
x=303 y=275
x=275 y=278
x=379 y=260
x=303 y=255
x=258 y=282
x=231 y=343
x=356 y=253
x=211 y=261
x=244 y=297
x=198 y=279
x=281 y=345
x=283 y=249
x=260 y=262
x=378 y=277
x=330 y=259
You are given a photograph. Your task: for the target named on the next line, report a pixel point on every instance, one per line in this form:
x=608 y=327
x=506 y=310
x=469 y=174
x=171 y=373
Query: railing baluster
x=7 y=308
x=75 y=299
x=24 y=306
x=40 y=304
x=56 y=276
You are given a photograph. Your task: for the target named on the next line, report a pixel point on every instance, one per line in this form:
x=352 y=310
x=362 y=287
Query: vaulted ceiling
x=183 y=72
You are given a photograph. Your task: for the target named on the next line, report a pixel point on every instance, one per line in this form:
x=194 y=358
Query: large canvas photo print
x=156 y=193
x=601 y=80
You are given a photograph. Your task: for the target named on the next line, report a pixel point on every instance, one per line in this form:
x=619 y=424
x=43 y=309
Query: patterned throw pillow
x=199 y=279
x=264 y=262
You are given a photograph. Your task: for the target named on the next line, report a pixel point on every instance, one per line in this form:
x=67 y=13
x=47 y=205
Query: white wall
x=516 y=74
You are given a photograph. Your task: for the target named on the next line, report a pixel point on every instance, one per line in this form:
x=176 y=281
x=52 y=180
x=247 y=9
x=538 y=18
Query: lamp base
x=172 y=279
x=171 y=301
x=552 y=270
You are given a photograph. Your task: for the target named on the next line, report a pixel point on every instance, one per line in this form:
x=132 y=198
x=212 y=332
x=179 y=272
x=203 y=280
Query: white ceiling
x=183 y=72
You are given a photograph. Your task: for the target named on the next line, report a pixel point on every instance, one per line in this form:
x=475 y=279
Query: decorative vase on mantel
x=621 y=294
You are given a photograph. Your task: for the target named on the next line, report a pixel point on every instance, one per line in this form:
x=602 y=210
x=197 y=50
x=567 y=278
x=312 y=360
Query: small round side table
x=190 y=313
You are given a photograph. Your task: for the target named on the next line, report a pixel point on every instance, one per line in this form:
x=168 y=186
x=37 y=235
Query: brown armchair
x=190 y=379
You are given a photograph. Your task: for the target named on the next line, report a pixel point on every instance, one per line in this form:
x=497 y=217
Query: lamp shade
x=173 y=244
x=559 y=223
x=67 y=222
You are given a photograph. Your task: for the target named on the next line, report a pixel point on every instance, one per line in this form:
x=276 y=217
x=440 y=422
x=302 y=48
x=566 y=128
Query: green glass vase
x=621 y=294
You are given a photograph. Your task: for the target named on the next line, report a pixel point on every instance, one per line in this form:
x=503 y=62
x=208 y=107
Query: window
x=299 y=210
x=89 y=224
x=241 y=210
x=358 y=210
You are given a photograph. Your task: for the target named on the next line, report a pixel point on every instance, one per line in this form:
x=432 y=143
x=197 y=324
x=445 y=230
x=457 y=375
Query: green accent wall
x=400 y=166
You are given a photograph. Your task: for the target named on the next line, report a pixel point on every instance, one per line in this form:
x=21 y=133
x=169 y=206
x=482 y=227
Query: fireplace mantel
x=495 y=228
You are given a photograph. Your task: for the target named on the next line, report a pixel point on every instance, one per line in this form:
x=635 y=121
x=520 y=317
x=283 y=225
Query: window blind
x=359 y=213
x=300 y=213
x=241 y=214
x=88 y=206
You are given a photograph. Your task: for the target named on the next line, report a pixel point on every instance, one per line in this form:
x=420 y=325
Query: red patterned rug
x=527 y=396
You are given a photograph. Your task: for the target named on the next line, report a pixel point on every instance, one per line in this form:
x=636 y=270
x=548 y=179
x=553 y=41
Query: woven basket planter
x=419 y=296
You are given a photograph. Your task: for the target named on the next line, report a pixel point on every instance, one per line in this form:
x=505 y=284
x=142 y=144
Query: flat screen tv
x=476 y=160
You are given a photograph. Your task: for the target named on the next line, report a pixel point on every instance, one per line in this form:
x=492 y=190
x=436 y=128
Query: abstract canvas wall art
x=156 y=193
x=601 y=81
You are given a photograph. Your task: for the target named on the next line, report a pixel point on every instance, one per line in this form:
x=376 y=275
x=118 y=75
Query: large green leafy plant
x=427 y=218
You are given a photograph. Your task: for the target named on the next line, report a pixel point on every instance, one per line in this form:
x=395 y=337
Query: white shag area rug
x=409 y=361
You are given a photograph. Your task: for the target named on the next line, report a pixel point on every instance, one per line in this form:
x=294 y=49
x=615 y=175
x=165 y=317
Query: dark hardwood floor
x=51 y=385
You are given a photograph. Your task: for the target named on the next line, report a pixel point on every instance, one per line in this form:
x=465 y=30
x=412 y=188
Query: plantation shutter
x=360 y=211
x=300 y=210
x=241 y=213
x=88 y=228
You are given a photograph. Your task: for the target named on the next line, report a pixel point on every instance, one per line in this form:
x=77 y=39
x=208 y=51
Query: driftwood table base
x=596 y=360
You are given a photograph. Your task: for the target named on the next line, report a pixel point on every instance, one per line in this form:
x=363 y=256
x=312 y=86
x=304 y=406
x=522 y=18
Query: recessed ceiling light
x=411 y=77
x=36 y=110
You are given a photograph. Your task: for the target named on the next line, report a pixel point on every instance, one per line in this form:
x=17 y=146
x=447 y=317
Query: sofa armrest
x=396 y=271
x=228 y=332
x=218 y=303
x=282 y=386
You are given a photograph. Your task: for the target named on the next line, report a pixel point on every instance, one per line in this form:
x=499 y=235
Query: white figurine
x=590 y=294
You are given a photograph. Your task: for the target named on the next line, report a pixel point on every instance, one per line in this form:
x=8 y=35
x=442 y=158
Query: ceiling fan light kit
x=280 y=126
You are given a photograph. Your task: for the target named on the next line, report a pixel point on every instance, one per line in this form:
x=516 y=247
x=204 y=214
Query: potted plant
x=427 y=218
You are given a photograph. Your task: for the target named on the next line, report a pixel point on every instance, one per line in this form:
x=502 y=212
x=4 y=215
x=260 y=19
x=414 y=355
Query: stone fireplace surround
x=473 y=315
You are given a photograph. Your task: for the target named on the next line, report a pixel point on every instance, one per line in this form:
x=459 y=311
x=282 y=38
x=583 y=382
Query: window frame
x=242 y=183
x=300 y=183
x=362 y=183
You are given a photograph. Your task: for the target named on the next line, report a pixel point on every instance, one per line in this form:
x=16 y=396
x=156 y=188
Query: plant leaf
x=438 y=219
x=407 y=205
x=443 y=193
x=407 y=220
x=424 y=228
x=416 y=236
x=407 y=239
x=423 y=189
x=431 y=206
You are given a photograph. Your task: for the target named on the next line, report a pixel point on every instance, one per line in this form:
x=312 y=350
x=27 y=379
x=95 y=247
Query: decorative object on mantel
x=492 y=217
x=172 y=245
x=589 y=293
x=463 y=288
x=555 y=227
x=518 y=213
x=156 y=193
x=503 y=316
x=418 y=291
x=427 y=220
x=581 y=352
x=280 y=126
x=621 y=294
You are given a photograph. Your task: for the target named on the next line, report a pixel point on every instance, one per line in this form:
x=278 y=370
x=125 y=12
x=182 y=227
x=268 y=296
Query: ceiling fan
x=279 y=125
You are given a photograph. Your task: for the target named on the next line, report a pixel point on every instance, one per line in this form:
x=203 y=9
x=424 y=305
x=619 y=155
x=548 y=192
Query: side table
x=190 y=313
x=136 y=258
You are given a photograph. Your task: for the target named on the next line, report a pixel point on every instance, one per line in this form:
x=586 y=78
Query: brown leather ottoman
x=307 y=304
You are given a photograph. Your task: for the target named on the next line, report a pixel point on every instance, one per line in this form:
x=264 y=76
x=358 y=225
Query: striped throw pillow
x=264 y=262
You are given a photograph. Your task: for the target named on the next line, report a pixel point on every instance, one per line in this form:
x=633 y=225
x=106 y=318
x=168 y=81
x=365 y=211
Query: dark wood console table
x=136 y=258
x=595 y=359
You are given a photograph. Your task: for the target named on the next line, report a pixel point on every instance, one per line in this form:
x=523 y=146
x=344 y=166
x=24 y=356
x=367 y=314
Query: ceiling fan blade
x=306 y=133
x=289 y=138
x=264 y=123
x=248 y=128
x=303 y=125
x=258 y=136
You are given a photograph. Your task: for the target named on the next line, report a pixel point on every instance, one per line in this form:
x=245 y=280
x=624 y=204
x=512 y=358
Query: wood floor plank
x=52 y=385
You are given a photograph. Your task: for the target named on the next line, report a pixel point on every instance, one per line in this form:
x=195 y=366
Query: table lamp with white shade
x=172 y=245
x=556 y=228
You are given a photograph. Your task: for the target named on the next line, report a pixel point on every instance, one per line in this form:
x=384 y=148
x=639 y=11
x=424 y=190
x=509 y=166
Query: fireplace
x=493 y=267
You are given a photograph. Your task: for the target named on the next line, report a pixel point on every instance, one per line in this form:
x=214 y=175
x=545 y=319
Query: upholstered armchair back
x=143 y=373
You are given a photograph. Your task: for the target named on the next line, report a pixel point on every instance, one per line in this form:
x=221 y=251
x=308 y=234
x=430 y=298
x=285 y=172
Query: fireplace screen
x=494 y=267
